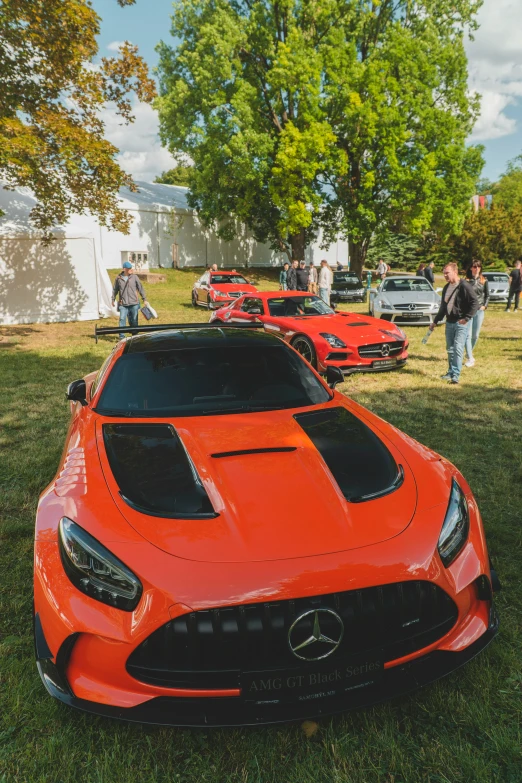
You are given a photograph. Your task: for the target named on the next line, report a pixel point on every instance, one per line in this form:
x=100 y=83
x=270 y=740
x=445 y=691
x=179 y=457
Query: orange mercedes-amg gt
x=230 y=541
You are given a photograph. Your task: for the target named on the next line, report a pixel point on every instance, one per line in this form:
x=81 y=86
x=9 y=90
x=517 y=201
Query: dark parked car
x=347 y=287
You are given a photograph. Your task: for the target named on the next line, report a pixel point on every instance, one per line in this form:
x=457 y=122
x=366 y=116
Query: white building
x=67 y=280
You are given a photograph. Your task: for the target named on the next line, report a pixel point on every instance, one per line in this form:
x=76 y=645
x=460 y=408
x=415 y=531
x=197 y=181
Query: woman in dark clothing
x=480 y=285
x=420 y=270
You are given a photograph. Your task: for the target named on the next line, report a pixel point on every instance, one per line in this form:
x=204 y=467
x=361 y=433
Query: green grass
x=465 y=728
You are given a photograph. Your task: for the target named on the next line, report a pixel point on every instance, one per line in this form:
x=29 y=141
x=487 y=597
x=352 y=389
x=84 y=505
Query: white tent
x=61 y=281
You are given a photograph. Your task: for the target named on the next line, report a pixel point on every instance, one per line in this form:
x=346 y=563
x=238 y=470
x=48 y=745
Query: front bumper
x=420 y=318
x=205 y=712
x=348 y=297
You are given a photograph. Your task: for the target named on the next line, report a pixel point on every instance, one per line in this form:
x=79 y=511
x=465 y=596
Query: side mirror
x=334 y=376
x=77 y=392
x=254 y=311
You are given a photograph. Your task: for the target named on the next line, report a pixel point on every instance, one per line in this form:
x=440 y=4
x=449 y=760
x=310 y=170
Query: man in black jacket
x=458 y=305
x=302 y=277
x=291 y=277
x=429 y=274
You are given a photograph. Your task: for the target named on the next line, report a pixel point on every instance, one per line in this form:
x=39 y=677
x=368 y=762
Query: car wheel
x=194 y=300
x=305 y=347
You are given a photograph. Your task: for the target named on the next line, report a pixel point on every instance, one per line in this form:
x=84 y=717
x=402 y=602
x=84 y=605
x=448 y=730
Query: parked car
x=350 y=341
x=230 y=541
x=347 y=287
x=405 y=299
x=498 y=286
x=214 y=289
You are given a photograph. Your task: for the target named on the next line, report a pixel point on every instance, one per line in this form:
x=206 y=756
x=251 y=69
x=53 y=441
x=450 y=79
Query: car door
x=249 y=310
x=202 y=288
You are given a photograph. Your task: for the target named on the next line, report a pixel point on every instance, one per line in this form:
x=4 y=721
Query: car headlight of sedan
x=334 y=341
x=382 y=304
x=94 y=570
x=455 y=529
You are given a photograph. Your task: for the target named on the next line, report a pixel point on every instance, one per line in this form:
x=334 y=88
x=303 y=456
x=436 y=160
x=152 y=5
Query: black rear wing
x=98 y=331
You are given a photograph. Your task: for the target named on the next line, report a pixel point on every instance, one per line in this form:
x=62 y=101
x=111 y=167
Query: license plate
x=418 y=314
x=311 y=681
x=384 y=362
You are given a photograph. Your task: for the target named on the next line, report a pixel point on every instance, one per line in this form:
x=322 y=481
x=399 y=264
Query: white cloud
x=141 y=153
x=495 y=67
x=114 y=46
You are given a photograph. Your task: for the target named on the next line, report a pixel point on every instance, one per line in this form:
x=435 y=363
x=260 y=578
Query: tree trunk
x=357 y=255
x=298 y=244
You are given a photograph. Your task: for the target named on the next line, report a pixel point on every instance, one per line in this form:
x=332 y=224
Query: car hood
x=229 y=288
x=269 y=505
x=408 y=297
x=354 y=329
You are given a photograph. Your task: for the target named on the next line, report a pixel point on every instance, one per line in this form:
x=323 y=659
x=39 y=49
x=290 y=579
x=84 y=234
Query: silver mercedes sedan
x=405 y=299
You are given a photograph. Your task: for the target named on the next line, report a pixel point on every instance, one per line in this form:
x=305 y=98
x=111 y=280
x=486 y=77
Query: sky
x=495 y=71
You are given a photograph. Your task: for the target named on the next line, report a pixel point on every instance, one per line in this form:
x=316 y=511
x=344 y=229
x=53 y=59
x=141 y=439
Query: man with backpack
x=128 y=289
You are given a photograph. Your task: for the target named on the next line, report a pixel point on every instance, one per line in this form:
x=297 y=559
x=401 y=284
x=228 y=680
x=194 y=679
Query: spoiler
x=162 y=327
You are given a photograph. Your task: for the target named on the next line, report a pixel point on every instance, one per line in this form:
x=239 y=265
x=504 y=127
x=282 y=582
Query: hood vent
x=361 y=464
x=274 y=450
x=154 y=472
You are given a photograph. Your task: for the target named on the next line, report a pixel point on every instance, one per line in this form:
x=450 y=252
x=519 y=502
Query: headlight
x=96 y=571
x=334 y=341
x=455 y=529
x=382 y=305
x=402 y=334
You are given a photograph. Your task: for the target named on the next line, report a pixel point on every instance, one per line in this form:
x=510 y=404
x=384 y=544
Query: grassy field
x=465 y=728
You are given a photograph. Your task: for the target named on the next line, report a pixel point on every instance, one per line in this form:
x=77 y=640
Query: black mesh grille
x=375 y=350
x=210 y=648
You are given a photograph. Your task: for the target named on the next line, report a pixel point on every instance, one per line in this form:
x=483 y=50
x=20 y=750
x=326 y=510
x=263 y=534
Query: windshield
x=202 y=381
x=224 y=279
x=292 y=306
x=346 y=277
x=496 y=278
x=406 y=284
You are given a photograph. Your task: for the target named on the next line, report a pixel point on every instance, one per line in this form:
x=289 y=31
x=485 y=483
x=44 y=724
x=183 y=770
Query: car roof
x=198 y=338
x=226 y=272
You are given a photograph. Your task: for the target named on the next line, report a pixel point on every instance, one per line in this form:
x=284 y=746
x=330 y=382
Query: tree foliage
x=345 y=115
x=180 y=175
x=51 y=131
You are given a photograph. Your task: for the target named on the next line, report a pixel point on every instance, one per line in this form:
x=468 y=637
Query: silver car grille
x=413 y=306
x=381 y=349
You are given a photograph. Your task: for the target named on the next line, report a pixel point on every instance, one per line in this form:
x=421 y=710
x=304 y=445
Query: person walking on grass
x=382 y=269
x=291 y=277
x=283 y=277
x=325 y=281
x=128 y=289
x=515 y=286
x=481 y=287
x=458 y=305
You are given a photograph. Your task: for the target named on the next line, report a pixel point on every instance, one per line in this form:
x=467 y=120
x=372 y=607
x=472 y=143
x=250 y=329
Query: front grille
x=375 y=350
x=210 y=648
x=336 y=357
x=413 y=306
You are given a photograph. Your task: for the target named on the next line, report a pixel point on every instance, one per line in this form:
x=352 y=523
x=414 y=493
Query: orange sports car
x=229 y=541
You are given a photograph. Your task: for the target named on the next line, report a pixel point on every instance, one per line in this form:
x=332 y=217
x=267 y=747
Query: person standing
x=325 y=281
x=312 y=278
x=291 y=277
x=420 y=270
x=429 y=273
x=382 y=268
x=481 y=287
x=515 y=286
x=128 y=289
x=339 y=266
x=458 y=305
x=283 y=275
x=302 y=277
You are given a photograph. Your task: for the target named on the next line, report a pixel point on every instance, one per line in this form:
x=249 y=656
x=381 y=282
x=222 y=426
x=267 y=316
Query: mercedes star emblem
x=411 y=306
x=385 y=349
x=317 y=645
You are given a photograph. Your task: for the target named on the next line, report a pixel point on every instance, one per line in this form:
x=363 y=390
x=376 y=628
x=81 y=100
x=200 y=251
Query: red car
x=230 y=541
x=215 y=289
x=325 y=338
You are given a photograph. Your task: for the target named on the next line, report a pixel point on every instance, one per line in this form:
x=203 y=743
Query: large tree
x=51 y=97
x=348 y=115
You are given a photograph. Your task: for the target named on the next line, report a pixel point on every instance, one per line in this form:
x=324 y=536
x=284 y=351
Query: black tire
x=305 y=347
x=194 y=300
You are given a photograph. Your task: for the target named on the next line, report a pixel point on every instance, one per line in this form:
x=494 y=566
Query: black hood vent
x=154 y=472
x=359 y=461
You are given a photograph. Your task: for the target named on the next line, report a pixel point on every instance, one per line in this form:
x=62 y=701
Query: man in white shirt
x=325 y=281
